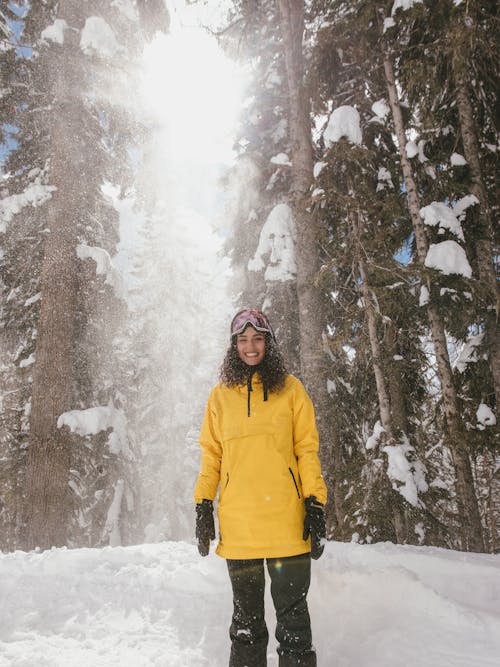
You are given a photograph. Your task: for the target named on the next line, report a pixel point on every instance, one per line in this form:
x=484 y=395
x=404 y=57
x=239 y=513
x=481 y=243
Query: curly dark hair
x=272 y=369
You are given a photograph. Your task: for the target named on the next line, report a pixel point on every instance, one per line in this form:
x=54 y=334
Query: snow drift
x=163 y=605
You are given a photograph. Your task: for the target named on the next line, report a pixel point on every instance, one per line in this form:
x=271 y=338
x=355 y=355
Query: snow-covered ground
x=163 y=605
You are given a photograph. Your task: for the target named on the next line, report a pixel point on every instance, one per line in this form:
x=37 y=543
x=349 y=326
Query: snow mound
x=344 y=122
x=463 y=204
x=104 y=266
x=457 y=160
x=55 y=32
x=35 y=194
x=318 y=168
x=406 y=472
x=448 y=257
x=96 y=419
x=277 y=244
x=384 y=179
x=424 y=296
x=281 y=159
x=375 y=437
x=381 y=109
x=162 y=605
x=403 y=5
x=98 y=37
x=442 y=216
x=485 y=415
x=468 y=353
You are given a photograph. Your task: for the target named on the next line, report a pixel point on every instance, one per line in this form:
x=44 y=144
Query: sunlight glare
x=194 y=92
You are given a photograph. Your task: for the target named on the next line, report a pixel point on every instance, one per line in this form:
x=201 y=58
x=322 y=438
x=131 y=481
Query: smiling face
x=251 y=346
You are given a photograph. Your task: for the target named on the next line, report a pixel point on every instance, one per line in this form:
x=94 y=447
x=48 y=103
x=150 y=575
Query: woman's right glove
x=314 y=525
x=205 y=527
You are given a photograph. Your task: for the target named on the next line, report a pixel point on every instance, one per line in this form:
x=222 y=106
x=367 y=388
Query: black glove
x=205 y=527
x=314 y=525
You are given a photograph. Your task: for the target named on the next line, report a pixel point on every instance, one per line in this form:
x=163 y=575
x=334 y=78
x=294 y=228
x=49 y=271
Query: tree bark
x=49 y=454
x=310 y=301
x=484 y=230
x=369 y=309
x=472 y=537
x=378 y=367
x=395 y=384
x=310 y=306
x=380 y=372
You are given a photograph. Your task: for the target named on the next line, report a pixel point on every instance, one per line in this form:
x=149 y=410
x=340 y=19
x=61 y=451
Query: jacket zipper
x=293 y=477
x=249 y=390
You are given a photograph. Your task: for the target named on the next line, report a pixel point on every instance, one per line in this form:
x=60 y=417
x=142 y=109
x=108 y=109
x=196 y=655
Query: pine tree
x=358 y=200
x=263 y=241
x=456 y=435
x=71 y=138
x=25 y=189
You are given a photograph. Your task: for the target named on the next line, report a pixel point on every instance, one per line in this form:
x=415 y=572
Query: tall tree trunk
x=48 y=464
x=484 y=230
x=282 y=296
x=472 y=537
x=334 y=476
x=369 y=309
x=310 y=301
x=395 y=384
x=380 y=372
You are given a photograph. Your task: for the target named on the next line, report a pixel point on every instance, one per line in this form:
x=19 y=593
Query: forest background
x=360 y=212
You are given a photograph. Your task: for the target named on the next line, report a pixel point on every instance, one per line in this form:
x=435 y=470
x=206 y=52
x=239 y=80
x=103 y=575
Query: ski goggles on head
x=253 y=317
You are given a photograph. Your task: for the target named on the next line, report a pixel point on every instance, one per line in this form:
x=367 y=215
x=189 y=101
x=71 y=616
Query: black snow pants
x=290 y=578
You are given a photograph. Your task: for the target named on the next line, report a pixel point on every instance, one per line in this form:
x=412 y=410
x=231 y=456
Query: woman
x=260 y=448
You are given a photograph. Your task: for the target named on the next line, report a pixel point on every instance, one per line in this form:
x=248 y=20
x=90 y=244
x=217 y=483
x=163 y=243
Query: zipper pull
x=249 y=389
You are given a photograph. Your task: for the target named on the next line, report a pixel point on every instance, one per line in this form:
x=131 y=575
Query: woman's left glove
x=205 y=527
x=314 y=525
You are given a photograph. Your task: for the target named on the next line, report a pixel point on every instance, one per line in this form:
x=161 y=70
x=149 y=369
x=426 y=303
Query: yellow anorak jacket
x=264 y=456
